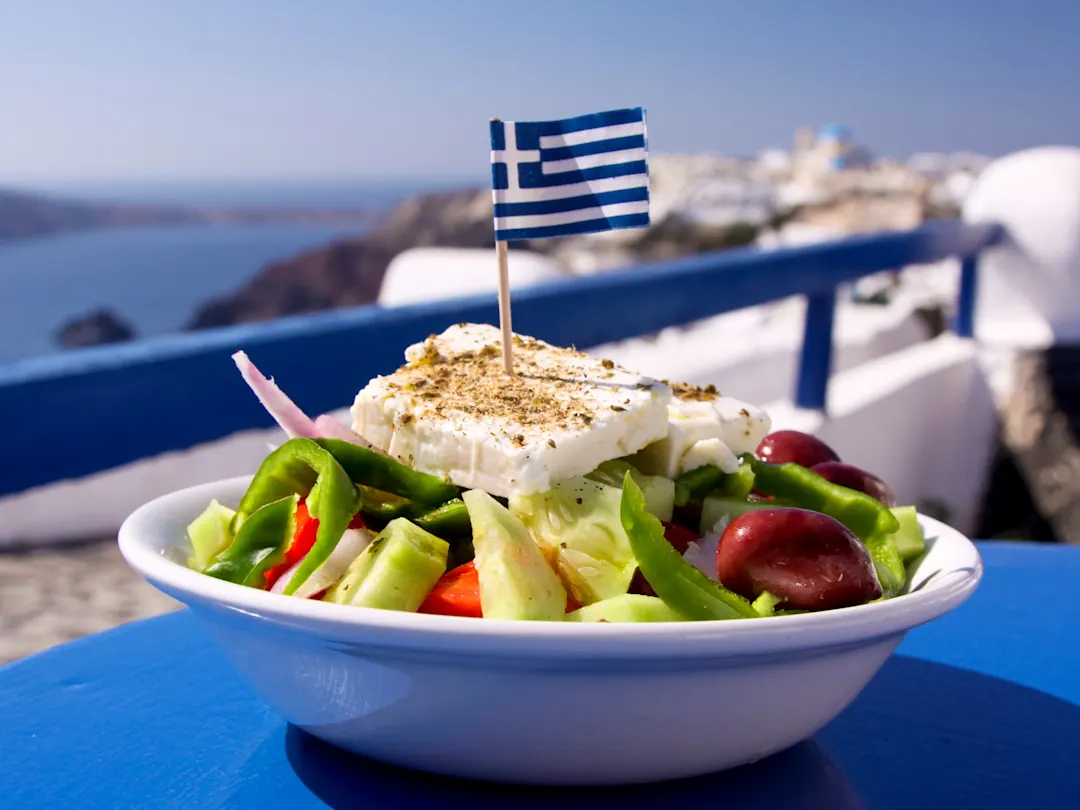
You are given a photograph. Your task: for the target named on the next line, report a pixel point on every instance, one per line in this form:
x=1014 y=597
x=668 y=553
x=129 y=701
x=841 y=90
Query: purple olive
x=808 y=560
x=850 y=476
x=783 y=446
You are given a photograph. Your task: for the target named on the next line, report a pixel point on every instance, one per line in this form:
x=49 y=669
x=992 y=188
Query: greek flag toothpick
x=563 y=178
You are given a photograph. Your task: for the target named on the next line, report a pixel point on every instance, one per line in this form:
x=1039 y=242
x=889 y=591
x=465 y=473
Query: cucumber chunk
x=395 y=572
x=715 y=507
x=909 y=540
x=209 y=534
x=516 y=581
x=630 y=607
x=659 y=491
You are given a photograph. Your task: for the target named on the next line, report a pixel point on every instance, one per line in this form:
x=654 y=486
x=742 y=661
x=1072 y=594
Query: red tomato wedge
x=303 y=539
x=457 y=593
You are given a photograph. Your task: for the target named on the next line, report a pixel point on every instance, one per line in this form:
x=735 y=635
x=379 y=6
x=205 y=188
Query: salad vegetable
x=395 y=572
x=577 y=525
x=697 y=483
x=805 y=488
x=682 y=586
x=303 y=469
x=258 y=546
x=209 y=534
x=909 y=540
x=449 y=519
x=457 y=593
x=629 y=607
x=381 y=472
x=516 y=581
x=573 y=491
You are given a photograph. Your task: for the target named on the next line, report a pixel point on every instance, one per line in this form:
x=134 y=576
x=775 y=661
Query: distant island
x=26 y=214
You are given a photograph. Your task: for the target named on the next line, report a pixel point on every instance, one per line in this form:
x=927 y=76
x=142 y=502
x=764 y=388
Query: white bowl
x=543 y=702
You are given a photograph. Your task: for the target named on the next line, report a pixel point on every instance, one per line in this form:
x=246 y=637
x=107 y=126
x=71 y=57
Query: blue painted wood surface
x=981 y=711
x=80 y=412
x=815 y=361
x=964 y=325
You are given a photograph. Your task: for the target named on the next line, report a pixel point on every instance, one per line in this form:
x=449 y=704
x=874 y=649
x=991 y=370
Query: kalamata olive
x=850 y=476
x=807 y=559
x=783 y=446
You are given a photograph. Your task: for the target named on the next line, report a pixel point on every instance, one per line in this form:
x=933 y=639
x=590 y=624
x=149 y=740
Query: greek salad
x=573 y=490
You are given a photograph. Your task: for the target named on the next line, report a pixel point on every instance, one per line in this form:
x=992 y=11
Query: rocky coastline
x=350 y=272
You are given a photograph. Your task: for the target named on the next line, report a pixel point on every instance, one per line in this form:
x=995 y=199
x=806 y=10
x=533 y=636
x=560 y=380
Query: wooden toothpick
x=502 y=252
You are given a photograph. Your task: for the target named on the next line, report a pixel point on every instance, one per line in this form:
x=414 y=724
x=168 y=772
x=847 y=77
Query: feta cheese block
x=704 y=427
x=453 y=411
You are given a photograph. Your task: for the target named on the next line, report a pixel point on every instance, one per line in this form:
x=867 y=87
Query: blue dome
x=834 y=132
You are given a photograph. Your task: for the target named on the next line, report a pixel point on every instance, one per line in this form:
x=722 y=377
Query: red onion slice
x=286 y=413
x=331 y=428
x=349 y=547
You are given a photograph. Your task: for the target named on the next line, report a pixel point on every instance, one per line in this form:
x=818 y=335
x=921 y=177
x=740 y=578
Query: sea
x=155 y=278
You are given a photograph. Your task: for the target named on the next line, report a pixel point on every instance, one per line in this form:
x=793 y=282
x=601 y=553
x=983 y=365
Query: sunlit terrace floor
x=49 y=596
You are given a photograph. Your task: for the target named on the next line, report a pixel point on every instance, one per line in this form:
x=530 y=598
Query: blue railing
x=80 y=412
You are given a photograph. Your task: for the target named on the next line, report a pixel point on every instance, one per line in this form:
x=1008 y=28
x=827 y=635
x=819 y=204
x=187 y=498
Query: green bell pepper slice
x=739 y=484
x=301 y=467
x=765 y=604
x=447 y=520
x=450 y=519
x=681 y=586
x=803 y=488
x=379 y=508
x=259 y=545
x=708 y=480
x=377 y=471
x=697 y=483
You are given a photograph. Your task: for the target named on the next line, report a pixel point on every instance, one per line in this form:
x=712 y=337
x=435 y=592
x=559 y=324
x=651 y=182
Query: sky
x=353 y=89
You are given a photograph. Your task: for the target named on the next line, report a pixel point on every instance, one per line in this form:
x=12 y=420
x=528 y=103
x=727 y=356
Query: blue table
x=980 y=710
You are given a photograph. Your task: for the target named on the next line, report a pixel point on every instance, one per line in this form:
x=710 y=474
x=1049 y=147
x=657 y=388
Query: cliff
x=350 y=272
x=345 y=273
x=698 y=203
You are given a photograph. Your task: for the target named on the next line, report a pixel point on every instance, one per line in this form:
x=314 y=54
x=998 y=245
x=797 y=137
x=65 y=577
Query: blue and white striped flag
x=578 y=175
